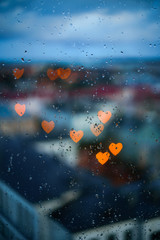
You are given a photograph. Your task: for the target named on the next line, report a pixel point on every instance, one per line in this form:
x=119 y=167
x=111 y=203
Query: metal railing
x=128 y=230
x=19 y=219
x=151 y=229
x=119 y=231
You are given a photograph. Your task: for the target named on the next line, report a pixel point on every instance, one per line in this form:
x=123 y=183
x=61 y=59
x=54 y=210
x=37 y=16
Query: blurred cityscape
x=43 y=167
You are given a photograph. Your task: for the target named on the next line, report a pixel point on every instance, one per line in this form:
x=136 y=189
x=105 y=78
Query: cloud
x=93 y=26
x=98 y=33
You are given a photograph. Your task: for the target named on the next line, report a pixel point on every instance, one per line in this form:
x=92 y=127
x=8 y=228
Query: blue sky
x=79 y=31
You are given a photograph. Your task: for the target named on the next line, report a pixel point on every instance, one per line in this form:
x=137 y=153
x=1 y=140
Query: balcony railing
x=19 y=219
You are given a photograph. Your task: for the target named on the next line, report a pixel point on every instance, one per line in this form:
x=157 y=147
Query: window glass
x=79 y=119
